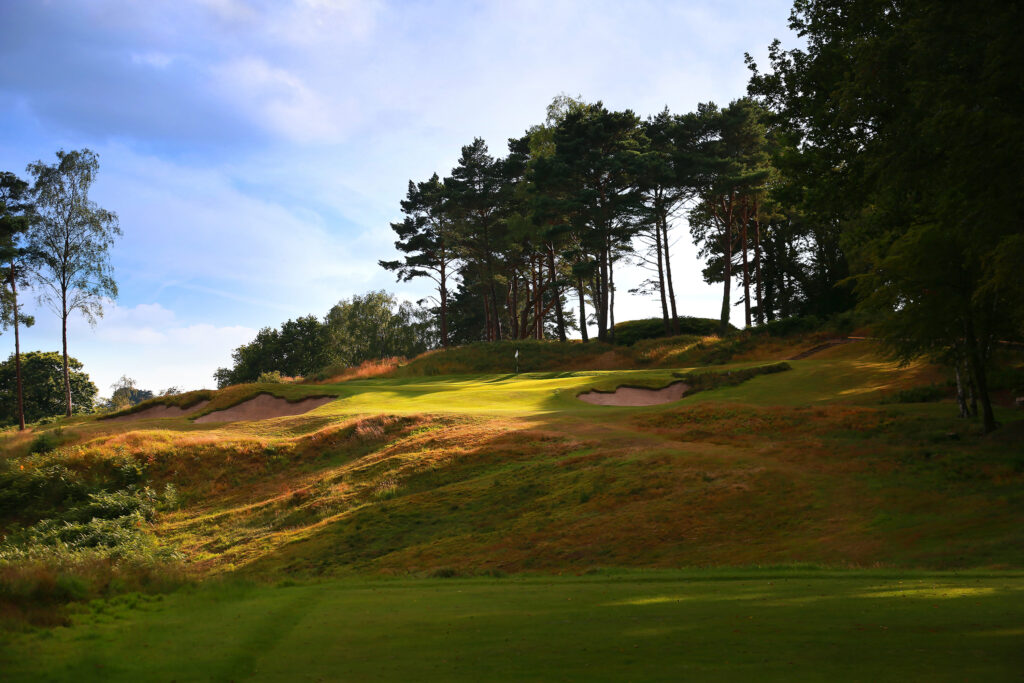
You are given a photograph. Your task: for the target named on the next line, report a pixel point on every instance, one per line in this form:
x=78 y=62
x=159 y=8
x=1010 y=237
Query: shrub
x=38 y=489
x=631 y=331
x=925 y=394
x=270 y=377
x=703 y=381
x=788 y=326
x=46 y=442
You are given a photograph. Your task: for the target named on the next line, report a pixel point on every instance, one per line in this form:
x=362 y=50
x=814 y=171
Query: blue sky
x=256 y=152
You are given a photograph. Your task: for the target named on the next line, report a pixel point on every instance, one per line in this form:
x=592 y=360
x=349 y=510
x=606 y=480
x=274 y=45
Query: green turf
x=714 y=625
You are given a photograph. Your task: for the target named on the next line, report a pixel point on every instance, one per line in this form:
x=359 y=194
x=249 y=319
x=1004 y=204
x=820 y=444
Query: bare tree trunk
x=559 y=315
x=442 y=292
x=487 y=318
x=67 y=377
x=17 y=351
x=757 y=264
x=513 y=304
x=668 y=275
x=583 y=310
x=960 y=396
x=611 y=298
x=726 y=266
x=601 y=293
x=495 y=309
x=978 y=374
x=538 y=303
x=745 y=219
x=661 y=277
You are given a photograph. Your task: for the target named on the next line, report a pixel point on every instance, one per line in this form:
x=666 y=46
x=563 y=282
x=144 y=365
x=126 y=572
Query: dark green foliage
x=705 y=380
x=906 y=120
x=37 y=489
x=45 y=442
x=631 y=331
x=786 y=327
x=919 y=395
x=365 y=327
x=42 y=373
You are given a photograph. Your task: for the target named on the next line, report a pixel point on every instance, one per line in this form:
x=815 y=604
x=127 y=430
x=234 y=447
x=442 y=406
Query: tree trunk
x=487 y=317
x=661 y=278
x=495 y=309
x=513 y=305
x=726 y=266
x=961 y=399
x=745 y=219
x=538 y=294
x=601 y=293
x=67 y=377
x=442 y=291
x=980 y=381
x=583 y=310
x=611 y=299
x=757 y=265
x=17 y=351
x=559 y=315
x=668 y=275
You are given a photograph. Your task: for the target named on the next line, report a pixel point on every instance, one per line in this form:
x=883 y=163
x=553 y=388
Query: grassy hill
x=423 y=475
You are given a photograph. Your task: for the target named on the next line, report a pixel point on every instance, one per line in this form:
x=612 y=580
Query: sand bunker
x=634 y=396
x=160 y=411
x=264 y=407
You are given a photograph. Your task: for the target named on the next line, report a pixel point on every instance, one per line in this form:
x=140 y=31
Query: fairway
x=714 y=625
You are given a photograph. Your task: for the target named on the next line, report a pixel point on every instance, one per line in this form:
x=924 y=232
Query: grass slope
x=485 y=474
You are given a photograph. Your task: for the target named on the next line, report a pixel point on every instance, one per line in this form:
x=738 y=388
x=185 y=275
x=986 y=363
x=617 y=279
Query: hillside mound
x=636 y=396
x=264 y=407
x=160 y=410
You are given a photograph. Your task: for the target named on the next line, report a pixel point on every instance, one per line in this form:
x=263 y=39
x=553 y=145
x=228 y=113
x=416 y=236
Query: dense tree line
x=528 y=245
x=877 y=166
x=904 y=125
x=367 y=327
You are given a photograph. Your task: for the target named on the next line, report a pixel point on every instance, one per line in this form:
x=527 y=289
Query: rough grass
x=185 y=400
x=462 y=475
x=768 y=625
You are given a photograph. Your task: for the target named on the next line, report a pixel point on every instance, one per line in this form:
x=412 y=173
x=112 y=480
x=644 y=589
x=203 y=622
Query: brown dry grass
x=384 y=367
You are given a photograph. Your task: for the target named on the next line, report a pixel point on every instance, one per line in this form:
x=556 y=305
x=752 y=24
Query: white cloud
x=277 y=99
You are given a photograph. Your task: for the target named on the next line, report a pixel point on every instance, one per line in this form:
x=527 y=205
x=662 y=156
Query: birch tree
x=72 y=237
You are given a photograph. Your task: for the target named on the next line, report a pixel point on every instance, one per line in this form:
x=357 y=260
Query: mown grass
x=766 y=625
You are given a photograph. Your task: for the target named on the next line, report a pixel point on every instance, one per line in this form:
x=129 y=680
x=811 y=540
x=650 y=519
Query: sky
x=256 y=152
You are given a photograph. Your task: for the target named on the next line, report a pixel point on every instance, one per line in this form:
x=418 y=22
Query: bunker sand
x=264 y=407
x=636 y=396
x=160 y=411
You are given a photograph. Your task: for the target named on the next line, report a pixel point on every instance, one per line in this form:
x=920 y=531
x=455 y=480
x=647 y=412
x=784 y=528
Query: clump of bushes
x=631 y=331
x=703 y=381
x=112 y=521
x=46 y=441
x=270 y=377
x=925 y=394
